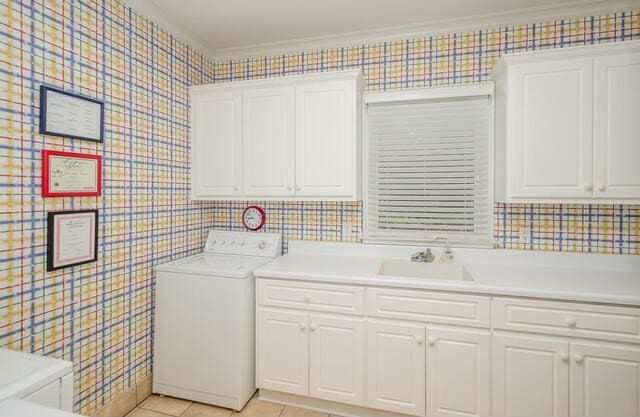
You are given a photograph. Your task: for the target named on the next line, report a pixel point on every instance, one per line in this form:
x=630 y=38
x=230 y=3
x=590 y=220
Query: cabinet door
x=283 y=351
x=325 y=139
x=530 y=376
x=605 y=380
x=268 y=140
x=336 y=355
x=216 y=157
x=396 y=367
x=458 y=372
x=617 y=98
x=551 y=108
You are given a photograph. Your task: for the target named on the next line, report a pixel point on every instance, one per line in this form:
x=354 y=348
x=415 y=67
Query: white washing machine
x=204 y=341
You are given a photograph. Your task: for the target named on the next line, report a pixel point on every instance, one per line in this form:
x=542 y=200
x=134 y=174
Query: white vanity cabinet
x=280 y=138
x=565 y=125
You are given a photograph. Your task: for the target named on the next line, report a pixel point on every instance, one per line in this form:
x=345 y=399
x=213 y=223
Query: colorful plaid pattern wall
x=447 y=59
x=97 y=315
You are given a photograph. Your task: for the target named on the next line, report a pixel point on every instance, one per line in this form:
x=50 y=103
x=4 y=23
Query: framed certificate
x=72 y=238
x=70 y=115
x=68 y=174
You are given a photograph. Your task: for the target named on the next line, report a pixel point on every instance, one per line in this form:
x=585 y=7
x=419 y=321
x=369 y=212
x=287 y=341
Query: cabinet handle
x=307 y=299
x=563 y=356
x=432 y=341
x=602 y=187
x=579 y=358
x=289 y=188
x=588 y=187
x=298 y=189
x=302 y=326
x=571 y=322
x=419 y=340
x=312 y=327
x=235 y=188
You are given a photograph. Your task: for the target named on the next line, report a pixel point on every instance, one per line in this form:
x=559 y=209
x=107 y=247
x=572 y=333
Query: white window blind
x=428 y=171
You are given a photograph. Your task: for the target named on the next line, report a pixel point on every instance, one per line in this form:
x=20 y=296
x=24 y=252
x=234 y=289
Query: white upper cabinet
x=216 y=154
x=617 y=136
x=325 y=123
x=268 y=139
x=281 y=138
x=564 y=125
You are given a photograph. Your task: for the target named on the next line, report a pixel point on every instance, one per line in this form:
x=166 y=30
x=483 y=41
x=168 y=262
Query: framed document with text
x=70 y=115
x=72 y=238
x=68 y=174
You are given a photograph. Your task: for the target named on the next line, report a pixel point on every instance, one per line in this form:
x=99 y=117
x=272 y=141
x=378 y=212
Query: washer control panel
x=244 y=243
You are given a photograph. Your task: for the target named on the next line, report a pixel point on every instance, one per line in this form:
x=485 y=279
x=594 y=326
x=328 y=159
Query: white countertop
x=21 y=373
x=599 y=278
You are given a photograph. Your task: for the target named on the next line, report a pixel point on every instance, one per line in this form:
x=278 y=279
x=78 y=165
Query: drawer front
x=311 y=296
x=568 y=319
x=423 y=306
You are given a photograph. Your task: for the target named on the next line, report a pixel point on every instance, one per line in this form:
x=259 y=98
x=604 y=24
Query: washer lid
x=212 y=264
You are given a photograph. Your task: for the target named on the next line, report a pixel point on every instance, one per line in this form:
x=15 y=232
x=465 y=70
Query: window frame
x=485 y=89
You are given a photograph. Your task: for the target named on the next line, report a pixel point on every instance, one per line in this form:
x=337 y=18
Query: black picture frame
x=44 y=91
x=51 y=238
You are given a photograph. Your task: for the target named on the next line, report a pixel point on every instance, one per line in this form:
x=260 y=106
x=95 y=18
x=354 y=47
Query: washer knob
x=262 y=244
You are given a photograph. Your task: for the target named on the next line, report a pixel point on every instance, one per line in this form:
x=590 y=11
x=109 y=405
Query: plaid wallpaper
x=97 y=315
x=447 y=59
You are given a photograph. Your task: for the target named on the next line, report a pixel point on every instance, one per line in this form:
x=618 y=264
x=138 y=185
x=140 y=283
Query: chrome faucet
x=424 y=256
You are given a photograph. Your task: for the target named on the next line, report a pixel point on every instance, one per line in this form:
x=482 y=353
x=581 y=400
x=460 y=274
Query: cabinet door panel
x=552 y=116
x=605 y=380
x=283 y=351
x=216 y=152
x=268 y=140
x=396 y=367
x=617 y=83
x=530 y=376
x=325 y=139
x=336 y=371
x=458 y=372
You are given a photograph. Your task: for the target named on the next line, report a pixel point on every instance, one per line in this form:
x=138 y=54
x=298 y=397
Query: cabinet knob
x=602 y=187
x=588 y=187
x=571 y=322
x=307 y=299
x=578 y=358
x=419 y=340
x=563 y=356
x=432 y=341
x=298 y=189
x=302 y=326
x=235 y=188
x=312 y=327
x=289 y=188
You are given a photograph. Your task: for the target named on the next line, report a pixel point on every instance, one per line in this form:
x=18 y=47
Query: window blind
x=428 y=171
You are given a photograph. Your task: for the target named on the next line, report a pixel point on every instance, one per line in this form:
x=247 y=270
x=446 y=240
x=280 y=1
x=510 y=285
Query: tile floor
x=156 y=405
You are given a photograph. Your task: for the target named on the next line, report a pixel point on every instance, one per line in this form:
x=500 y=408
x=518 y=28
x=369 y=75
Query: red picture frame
x=58 y=167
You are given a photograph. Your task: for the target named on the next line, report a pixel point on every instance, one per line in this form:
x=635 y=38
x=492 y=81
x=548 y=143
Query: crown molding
x=466 y=24
x=151 y=11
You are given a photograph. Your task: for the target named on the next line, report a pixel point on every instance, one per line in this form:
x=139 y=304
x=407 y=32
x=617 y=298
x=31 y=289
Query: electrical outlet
x=524 y=235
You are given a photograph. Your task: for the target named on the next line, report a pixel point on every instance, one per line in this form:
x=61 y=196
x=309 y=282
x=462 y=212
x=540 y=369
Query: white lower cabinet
x=530 y=376
x=336 y=360
x=458 y=372
x=283 y=351
x=406 y=351
x=605 y=379
x=396 y=367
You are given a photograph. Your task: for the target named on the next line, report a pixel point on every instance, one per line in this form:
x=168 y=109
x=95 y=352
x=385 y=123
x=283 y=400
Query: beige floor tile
x=141 y=412
x=301 y=412
x=167 y=405
x=259 y=408
x=204 y=410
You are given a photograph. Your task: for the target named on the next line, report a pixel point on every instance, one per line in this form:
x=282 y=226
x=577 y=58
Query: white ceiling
x=225 y=25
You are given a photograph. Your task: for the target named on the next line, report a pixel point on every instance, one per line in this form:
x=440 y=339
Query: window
x=428 y=168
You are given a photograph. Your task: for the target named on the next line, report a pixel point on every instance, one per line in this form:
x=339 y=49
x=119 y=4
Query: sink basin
x=434 y=270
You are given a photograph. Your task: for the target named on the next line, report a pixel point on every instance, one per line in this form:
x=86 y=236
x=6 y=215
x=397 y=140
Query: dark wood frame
x=44 y=89
x=51 y=238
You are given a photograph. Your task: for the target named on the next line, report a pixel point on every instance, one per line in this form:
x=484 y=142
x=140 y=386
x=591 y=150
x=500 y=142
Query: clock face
x=253 y=218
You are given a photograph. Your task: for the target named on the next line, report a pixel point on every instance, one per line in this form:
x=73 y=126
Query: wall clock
x=253 y=218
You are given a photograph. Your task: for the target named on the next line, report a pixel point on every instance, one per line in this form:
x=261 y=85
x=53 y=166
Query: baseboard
x=127 y=400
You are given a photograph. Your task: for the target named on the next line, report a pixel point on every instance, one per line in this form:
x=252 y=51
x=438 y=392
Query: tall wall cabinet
x=283 y=138
x=566 y=127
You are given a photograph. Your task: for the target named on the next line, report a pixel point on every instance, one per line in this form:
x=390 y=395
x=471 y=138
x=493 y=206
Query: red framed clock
x=253 y=218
